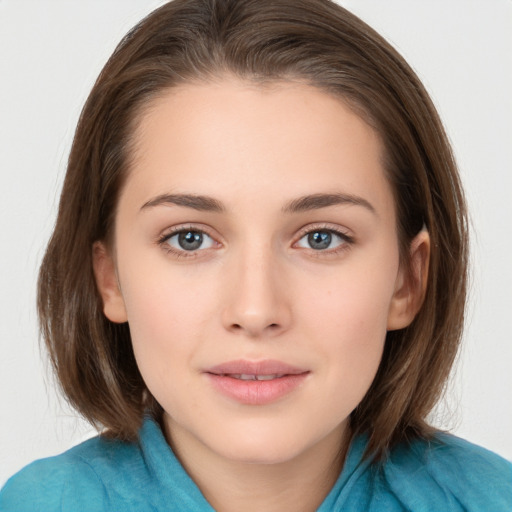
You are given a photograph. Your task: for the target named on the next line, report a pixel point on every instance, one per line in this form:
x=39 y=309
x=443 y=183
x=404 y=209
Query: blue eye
x=322 y=239
x=189 y=240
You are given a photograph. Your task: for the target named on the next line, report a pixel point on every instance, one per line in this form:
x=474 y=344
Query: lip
x=256 y=392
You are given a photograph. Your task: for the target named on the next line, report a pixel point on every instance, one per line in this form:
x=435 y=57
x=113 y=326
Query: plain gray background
x=50 y=54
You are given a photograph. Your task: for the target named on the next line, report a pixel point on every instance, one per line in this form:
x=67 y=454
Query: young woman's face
x=257 y=259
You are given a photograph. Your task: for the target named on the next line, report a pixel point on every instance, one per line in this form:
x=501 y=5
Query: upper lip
x=266 y=367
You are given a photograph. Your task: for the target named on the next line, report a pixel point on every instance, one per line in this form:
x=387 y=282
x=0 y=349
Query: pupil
x=190 y=240
x=319 y=240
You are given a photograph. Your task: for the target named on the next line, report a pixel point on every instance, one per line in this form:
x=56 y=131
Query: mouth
x=256 y=383
x=251 y=370
x=244 y=376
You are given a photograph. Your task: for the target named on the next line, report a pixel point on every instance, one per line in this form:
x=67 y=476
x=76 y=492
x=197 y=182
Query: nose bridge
x=257 y=303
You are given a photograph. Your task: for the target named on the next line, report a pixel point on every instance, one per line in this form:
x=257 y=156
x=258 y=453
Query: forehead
x=233 y=138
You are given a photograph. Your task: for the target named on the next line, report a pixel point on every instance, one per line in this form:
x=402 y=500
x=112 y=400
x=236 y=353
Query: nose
x=258 y=304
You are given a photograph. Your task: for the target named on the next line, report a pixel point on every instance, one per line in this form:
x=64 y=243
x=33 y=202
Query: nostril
x=254 y=330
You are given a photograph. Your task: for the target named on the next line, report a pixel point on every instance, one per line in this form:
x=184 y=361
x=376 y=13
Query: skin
x=256 y=289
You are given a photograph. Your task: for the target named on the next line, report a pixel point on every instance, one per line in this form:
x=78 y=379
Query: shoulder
x=450 y=473
x=75 y=480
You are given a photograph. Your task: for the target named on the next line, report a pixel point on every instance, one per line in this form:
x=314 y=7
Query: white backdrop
x=51 y=52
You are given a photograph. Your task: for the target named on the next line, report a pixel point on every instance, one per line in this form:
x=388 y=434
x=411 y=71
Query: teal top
x=445 y=475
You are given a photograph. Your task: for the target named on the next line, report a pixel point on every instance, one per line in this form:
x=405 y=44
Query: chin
x=263 y=446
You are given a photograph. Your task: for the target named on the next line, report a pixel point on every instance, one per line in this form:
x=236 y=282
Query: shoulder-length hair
x=313 y=41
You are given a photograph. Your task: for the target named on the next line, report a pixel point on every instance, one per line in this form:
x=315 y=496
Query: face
x=256 y=261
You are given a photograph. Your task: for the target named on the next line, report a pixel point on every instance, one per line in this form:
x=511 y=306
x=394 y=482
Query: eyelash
x=164 y=239
x=346 y=240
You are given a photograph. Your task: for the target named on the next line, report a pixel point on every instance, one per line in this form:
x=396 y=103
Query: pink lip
x=255 y=392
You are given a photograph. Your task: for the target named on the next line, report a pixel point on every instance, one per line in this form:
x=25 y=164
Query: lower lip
x=256 y=392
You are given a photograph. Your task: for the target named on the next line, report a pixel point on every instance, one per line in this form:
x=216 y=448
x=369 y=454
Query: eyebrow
x=317 y=201
x=301 y=204
x=197 y=202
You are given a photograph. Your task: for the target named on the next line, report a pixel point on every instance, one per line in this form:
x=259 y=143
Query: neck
x=300 y=484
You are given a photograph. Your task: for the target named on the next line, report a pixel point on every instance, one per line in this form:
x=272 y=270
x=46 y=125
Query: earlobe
x=107 y=283
x=411 y=285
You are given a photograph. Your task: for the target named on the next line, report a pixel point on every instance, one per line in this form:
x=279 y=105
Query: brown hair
x=313 y=41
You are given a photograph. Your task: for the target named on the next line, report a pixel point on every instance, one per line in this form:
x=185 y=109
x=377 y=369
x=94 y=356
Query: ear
x=410 y=285
x=108 y=284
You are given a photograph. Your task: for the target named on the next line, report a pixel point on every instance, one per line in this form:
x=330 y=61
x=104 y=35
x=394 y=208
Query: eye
x=188 y=240
x=323 y=239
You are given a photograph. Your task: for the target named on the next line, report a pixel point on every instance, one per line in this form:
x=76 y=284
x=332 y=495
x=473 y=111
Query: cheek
x=164 y=301
x=352 y=304
x=347 y=318
x=166 y=326
x=168 y=316
x=354 y=331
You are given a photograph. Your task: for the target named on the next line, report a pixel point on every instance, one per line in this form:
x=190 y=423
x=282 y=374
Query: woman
x=257 y=278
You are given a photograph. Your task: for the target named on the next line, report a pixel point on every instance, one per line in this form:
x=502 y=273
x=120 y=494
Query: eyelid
x=178 y=228
x=168 y=233
x=343 y=233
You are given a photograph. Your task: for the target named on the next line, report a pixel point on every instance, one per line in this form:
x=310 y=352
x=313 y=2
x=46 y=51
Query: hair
x=315 y=42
